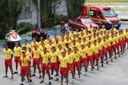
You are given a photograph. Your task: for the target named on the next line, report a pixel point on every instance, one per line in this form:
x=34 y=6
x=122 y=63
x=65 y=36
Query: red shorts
x=101 y=53
x=105 y=50
x=71 y=67
x=117 y=45
x=77 y=64
x=90 y=58
x=36 y=61
x=127 y=40
x=17 y=59
x=109 y=48
x=25 y=70
x=122 y=43
x=96 y=56
x=45 y=67
x=8 y=62
x=54 y=66
x=63 y=71
x=83 y=60
x=114 y=46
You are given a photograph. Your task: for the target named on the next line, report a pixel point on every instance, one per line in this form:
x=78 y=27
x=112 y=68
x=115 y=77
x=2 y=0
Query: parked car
x=82 y=22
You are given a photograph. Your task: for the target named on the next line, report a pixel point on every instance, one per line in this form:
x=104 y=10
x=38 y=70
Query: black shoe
x=49 y=83
x=5 y=76
x=33 y=75
x=30 y=80
x=15 y=72
x=57 y=79
x=21 y=84
x=39 y=76
x=41 y=81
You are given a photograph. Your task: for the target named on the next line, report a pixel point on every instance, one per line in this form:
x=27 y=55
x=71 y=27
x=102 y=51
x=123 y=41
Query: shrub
x=24 y=27
x=59 y=18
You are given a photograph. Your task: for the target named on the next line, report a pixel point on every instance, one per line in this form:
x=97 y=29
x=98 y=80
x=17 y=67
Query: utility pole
x=38 y=15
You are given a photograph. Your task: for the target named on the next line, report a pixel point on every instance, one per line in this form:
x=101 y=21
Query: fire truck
x=102 y=15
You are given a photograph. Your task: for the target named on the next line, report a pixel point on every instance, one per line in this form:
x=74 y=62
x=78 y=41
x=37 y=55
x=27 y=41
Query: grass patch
x=1 y=41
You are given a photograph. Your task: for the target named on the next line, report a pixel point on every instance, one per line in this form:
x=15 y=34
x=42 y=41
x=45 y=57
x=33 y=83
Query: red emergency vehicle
x=102 y=15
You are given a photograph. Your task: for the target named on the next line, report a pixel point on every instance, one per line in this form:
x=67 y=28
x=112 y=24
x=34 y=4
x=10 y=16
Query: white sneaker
x=12 y=77
x=5 y=76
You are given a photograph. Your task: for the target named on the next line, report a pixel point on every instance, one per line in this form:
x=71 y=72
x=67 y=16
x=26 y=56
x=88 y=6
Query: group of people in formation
x=67 y=54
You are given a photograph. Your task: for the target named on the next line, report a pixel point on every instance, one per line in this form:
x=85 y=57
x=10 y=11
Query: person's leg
x=11 y=71
x=22 y=79
x=61 y=79
x=66 y=77
x=38 y=66
x=34 y=68
x=43 y=75
x=49 y=77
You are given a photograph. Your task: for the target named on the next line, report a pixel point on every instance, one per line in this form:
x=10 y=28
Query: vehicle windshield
x=87 y=20
x=109 y=13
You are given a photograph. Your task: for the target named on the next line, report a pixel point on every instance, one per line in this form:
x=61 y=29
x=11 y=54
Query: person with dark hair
x=8 y=55
x=25 y=67
x=63 y=27
x=17 y=54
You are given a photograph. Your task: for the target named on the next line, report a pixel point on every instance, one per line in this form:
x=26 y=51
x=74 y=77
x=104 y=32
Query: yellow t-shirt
x=45 y=58
x=36 y=53
x=28 y=47
x=17 y=51
x=90 y=50
x=34 y=44
x=77 y=56
x=63 y=62
x=7 y=53
x=83 y=52
x=24 y=61
x=53 y=57
x=70 y=58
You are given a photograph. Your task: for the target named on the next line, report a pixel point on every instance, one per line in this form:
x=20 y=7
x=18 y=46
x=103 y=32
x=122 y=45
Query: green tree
x=74 y=8
x=9 y=12
x=48 y=8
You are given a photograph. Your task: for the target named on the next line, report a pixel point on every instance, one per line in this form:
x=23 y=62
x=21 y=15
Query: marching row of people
x=67 y=53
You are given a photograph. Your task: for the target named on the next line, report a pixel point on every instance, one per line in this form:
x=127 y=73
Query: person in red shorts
x=25 y=60
x=63 y=59
x=36 y=60
x=8 y=55
x=90 y=52
x=83 y=59
x=17 y=54
x=45 y=64
x=77 y=56
x=96 y=54
x=71 y=62
x=54 y=60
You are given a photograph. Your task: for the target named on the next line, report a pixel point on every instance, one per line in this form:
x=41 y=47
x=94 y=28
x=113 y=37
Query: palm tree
x=9 y=13
x=74 y=8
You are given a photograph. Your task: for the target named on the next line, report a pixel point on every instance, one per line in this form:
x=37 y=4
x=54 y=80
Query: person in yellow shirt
x=64 y=67
x=71 y=62
x=8 y=55
x=17 y=54
x=77 y=56
x=54 y=60
x=25 y=44
x=33 y=43
x=45 y=64
x=109 y=48
x=90 y=29
x=36 y=60
x=83 y=56
x=90 y=52
x=96 y=54
x=25 y=69
x=41 y=41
